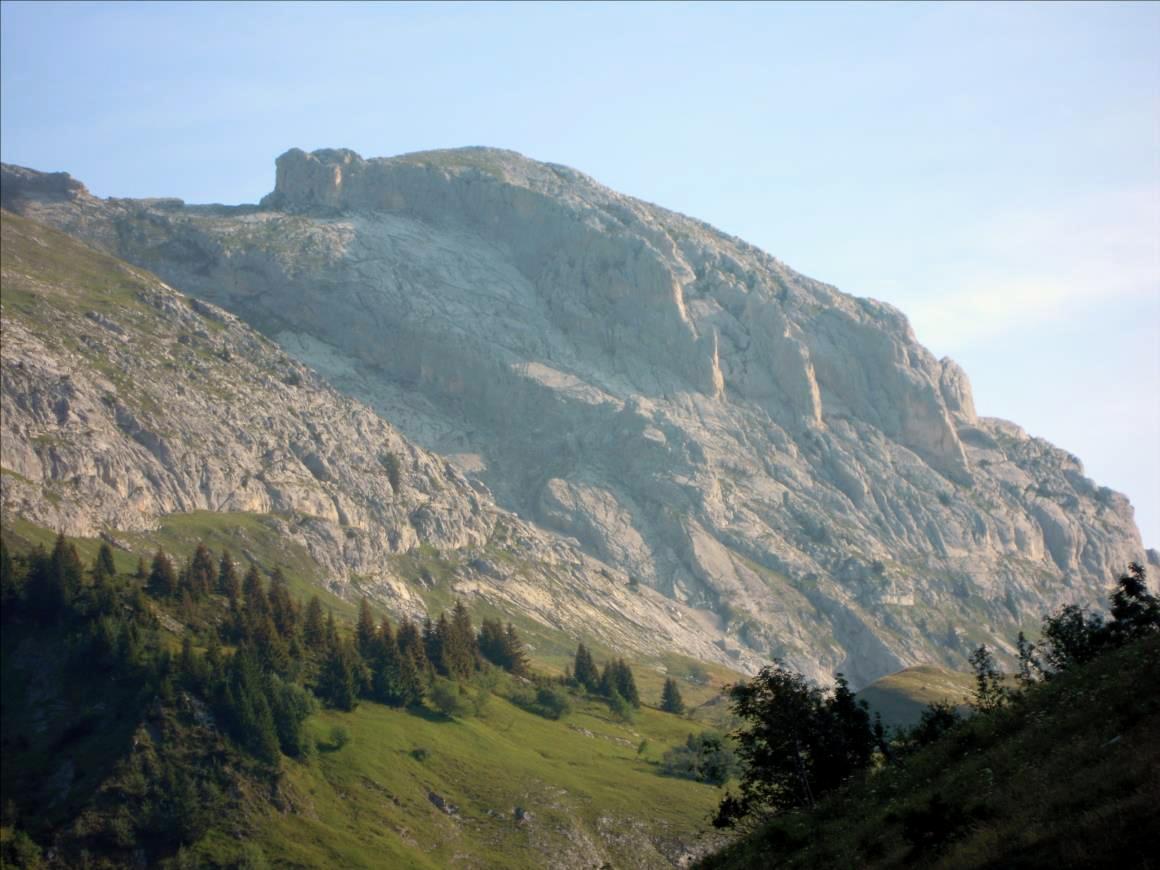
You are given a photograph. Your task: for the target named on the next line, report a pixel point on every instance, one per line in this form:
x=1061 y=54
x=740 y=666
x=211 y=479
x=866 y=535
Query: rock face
x=741 y=438
x=122 y=401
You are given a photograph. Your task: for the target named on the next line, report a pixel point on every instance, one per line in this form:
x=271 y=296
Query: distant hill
x=901 y=697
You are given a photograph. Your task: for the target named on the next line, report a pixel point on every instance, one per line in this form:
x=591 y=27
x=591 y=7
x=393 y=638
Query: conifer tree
x=331 y=633
x=250 y=718
x=141 y=574
x=65 y=569
x=228 y=583
x=338 y=681
x=434 y=641
x=410 y=643
x=365 y=632
x=517 y=657
x=257 y=606
x=584 y=670
x=282 y=608
x=491 y=642
x=461 y=653
x=314 y=630
x=104 y=567
x=671 y=701
x=200 y=575
x=162 y=581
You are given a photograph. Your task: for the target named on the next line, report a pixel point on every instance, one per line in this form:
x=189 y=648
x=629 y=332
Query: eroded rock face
x=122 y=401
x=736 y=435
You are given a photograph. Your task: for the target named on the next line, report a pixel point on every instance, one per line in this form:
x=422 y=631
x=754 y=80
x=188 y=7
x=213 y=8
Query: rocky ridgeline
x=123 y=400
x=738 y=436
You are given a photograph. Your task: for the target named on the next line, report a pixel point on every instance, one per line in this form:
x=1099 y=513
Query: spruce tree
x=626 y=683
x=338 y=681
x=250 y=718
x=365 y=632
x=671 y=701
x=228 y=583
x=104 y=567
x=257 y=606
x=464 y=650
x=201 y=573
x=282 y=608
x=411 y=643
x=314 y=630
x=162 y=580
x=491 y=642
x=517 y=657
x=584 y=670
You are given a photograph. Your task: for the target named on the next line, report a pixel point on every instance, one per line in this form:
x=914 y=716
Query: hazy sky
x=992 y=170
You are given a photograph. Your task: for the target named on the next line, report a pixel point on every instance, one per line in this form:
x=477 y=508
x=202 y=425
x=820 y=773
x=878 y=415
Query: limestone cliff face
x=121 y=401
x=736 y=435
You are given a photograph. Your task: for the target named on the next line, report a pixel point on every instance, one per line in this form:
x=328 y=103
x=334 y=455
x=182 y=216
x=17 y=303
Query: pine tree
x=257 y=606
x=228 y=583
x=248 y=710
x=434 y=641
x=338 y=681
x=671 y=701
x=411 y=644
x=162 y=580
x=104 y=567
x=141 y=574
x=282 y=608
x=200 y=576
x=331 y=631
x=66 y=569
x=365 y=631
x=626 y=684
x=491 y=642
x=461 y=651
x=584 y=670
x=517 y=657
x=314 y=630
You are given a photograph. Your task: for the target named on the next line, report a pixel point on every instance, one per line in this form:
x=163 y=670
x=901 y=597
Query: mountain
x=123 y=402
x=785 y=460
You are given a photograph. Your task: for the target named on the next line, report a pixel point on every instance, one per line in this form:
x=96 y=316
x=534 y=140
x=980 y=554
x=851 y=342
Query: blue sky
x=992 y=170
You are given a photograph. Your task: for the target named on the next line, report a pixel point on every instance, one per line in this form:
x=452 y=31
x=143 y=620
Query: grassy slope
x=1068 y=776
x=582 y=779
x=901 y=697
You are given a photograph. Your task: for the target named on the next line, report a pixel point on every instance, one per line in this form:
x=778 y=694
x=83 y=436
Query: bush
x=551 y=702
x=339 y=736
x=620 y=708
x=705 y=757
x=448 y=699
x=420 y=753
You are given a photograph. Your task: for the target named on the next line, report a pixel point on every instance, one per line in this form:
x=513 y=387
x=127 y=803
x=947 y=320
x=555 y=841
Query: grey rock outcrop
x=123 y=401
x=744 y=439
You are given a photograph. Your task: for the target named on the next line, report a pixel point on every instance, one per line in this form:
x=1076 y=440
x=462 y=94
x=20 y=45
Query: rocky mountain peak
x=686 y=407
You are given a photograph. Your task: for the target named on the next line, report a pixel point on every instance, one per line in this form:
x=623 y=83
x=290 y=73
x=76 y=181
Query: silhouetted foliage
x=797 y=744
